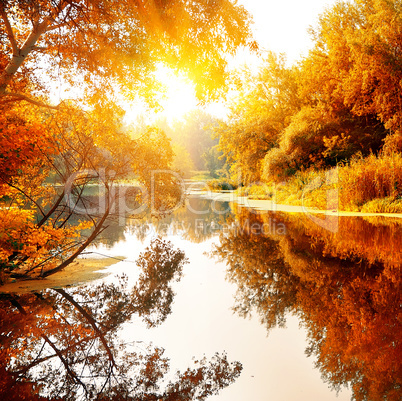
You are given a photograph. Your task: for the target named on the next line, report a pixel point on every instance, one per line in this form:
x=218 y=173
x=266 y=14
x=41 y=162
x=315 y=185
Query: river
x=309 y=313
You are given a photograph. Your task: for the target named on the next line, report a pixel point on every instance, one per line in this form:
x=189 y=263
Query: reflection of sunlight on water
x=202 y=323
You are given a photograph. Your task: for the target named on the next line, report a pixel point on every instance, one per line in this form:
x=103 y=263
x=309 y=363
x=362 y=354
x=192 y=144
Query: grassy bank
x=372 y=185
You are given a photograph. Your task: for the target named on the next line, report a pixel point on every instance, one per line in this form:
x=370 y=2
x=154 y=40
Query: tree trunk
x=18 y=59
x=88 y=241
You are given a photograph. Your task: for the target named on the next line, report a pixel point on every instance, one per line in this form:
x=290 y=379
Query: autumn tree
x=43 y=223
x=348 y=84
x=98 y=43
x=318 y=138
x=263 y=108
x=342 y=99
x=102 y=48
x=370 y=80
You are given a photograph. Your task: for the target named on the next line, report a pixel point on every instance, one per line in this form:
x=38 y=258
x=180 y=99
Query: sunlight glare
x=176 y=98
x=177 y=93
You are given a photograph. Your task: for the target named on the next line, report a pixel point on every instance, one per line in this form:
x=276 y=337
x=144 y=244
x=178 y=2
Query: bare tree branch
x=51 y=211
x=22 y=97
x=90 y=320
x=98 y=228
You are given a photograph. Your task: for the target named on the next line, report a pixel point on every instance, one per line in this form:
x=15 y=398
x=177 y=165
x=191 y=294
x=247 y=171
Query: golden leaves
x=36 y=248
x=99 y=44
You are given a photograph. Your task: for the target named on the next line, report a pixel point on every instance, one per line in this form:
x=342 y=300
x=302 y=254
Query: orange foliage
x=24 y=144
x=49 y=155
x=342 y=99
x=122 y=40
x=345 y=287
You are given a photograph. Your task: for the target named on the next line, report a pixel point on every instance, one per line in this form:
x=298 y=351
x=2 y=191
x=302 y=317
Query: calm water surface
x=307 y=312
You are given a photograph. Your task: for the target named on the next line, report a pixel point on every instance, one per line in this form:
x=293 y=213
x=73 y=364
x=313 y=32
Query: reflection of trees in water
x=64 y=344
x=121 y=211
x=345 y=288
x=196 y=221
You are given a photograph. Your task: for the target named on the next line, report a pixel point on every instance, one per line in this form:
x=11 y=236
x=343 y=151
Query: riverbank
x=269 y=205
x=76 y=273
x=371 y=185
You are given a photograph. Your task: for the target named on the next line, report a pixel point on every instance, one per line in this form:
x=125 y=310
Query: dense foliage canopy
x=95 y=44
x=342 y=99
x=52 y=156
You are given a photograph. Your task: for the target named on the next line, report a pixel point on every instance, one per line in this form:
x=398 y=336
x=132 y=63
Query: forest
x=338 y=108
x=72 y=167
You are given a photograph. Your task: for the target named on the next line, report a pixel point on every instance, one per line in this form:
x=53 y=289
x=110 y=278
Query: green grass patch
x=201 y=176
x=222 y=184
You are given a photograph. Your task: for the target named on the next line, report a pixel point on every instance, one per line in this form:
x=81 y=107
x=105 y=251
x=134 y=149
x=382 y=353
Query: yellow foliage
x=372 y=184
x=370 y=178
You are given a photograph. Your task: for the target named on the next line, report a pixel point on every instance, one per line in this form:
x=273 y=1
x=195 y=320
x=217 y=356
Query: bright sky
x=280 y=26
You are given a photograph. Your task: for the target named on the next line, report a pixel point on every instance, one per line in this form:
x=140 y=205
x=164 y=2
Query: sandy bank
x=76 y=273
